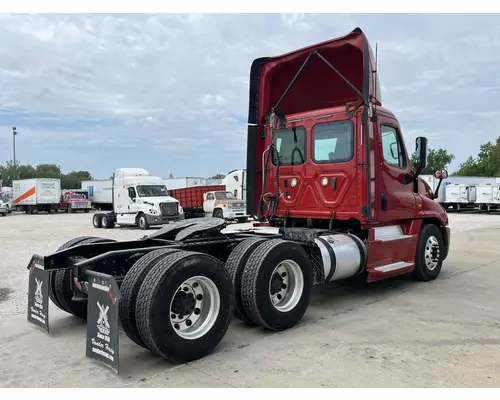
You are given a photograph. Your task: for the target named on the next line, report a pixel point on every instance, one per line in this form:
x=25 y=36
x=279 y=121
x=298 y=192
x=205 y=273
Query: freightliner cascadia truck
x=329 y=177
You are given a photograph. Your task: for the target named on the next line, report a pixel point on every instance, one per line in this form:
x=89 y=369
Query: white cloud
x=170 y=92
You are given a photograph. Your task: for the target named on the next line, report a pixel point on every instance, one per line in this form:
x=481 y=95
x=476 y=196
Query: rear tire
x=182 y=287
x=234 y=265
x=276 y=284
x=106 y=223
x=130 y=289
x=429 y=255
x=63 y=287
x=97 y=221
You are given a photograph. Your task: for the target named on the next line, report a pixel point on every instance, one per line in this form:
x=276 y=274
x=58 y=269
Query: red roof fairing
x=318 y=86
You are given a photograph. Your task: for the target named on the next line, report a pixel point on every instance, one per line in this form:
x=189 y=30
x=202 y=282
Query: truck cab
x=324 y=154
x=223 y=204
x=139 y=199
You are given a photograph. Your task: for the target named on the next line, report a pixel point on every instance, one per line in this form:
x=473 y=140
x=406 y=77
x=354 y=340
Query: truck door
x=209 y=202
x=394 y=199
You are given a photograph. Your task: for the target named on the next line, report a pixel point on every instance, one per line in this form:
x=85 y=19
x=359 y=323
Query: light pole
x=14 y=133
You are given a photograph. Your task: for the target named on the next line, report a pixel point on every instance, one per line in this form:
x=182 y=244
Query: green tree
x=487 y=162
x=218 y=176
x=437 y=159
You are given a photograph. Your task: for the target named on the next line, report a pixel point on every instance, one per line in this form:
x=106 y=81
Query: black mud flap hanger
x=103 y=297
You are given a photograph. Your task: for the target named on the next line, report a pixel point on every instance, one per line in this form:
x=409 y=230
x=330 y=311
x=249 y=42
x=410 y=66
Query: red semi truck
x=330 y=177
x=210 y=201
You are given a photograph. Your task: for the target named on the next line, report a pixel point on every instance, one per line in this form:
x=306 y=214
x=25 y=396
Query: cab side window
x=131 y=193
x=392 y=148
x=210 y=196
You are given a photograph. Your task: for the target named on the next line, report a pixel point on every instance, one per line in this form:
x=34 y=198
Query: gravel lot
x=395 y=333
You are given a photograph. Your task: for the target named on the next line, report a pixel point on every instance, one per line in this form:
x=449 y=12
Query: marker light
x=324 y=181
x=294 y=182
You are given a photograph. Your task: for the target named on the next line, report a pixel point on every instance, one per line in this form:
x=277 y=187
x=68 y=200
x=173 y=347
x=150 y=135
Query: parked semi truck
x=329 y=176
x=34 y=195
x=210 y=201
x=139 y=199
x=100 y=193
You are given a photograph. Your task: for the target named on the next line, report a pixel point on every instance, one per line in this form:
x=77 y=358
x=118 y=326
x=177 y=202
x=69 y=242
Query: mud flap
x=38 y=294
x=102 y=319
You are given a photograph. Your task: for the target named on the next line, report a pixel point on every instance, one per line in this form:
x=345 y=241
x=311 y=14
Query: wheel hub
x=286 y=285
x=432 y=253
x=195 y=307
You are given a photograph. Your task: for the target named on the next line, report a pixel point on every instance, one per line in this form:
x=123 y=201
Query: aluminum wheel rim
x=432 y=253
x=142 y=222
x=194 y=322
x=291 y=286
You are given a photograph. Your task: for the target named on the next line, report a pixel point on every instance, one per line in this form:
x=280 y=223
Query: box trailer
x=184 y=182
x=100 y=193
x=460 y=196
x=36 y=194
x=488 y=197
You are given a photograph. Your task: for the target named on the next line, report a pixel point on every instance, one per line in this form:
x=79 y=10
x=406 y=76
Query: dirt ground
x=395 y=333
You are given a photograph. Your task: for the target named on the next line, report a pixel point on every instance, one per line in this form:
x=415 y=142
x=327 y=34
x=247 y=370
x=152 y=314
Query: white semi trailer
x=100 y=193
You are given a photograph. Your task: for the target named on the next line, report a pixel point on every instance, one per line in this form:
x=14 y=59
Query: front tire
x=142 y=222
x=184 y=306
x=218 y=214
x=429 y=255
x=276 y=284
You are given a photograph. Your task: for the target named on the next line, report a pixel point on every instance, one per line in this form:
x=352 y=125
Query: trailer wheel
x=142 y=221
x=184 y=306
x=63 y=287
x=67 y=245
x=429 y=255
x=234 y=265
x=130 y=289
x=96 y=221
x=276 y=284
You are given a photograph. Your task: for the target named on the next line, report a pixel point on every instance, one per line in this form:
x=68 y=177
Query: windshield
x=152 y=190
x=76 y=196
x=223 y=195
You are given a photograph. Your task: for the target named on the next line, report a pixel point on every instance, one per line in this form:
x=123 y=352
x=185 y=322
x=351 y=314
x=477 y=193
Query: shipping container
x=36 y=194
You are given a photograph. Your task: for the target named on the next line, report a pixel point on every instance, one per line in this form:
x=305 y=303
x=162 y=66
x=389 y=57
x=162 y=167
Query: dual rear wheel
x=272 y=280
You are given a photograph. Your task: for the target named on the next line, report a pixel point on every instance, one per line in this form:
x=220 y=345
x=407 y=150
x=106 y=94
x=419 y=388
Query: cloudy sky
x=169 y=93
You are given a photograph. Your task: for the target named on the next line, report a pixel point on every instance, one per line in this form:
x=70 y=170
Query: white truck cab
x=139 y=199
x=222 y=204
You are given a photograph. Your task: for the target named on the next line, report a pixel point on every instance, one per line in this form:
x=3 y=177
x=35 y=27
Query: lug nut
x=283 y=274
x=188 y=322
x=185 y=288
x=279 y=297
x=197 y=311
x=199 y=297
x=173 y=316
x=195 y=284
x=283 y=286
x=176 y=326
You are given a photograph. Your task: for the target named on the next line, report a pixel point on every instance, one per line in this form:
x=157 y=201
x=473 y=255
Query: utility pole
x=14 y=133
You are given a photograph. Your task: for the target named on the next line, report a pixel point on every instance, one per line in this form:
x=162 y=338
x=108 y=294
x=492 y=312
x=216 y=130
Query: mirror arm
x=435 y=195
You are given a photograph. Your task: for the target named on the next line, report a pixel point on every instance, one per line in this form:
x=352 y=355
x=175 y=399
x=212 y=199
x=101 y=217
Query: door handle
x=383 y=200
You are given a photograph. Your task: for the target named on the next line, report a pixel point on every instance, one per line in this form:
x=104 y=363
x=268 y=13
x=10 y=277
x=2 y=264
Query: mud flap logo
x=38 y=291
x=102 y=321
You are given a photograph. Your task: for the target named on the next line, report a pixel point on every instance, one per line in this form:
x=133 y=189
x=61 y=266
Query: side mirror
x=442 y=174
x=421 y=150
